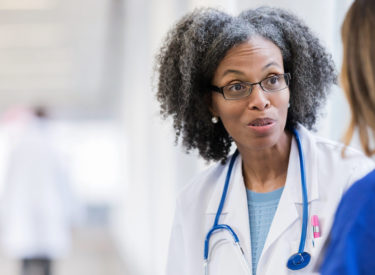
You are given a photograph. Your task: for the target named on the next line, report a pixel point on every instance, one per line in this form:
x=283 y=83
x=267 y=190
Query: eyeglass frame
x=220 y=90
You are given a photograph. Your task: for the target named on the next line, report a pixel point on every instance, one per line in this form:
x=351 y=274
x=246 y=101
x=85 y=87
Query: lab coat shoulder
x=343 y=164
x=190 y=221
x=329 y=172
x=201 y=187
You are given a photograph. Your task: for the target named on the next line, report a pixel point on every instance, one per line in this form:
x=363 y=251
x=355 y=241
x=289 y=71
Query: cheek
x=231 y=117
x=283 y=101
x=228 y=111
x=223 y=108
x=286 y=97
x=282 y=106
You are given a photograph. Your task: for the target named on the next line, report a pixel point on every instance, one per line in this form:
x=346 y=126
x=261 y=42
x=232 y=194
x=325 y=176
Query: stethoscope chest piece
x=298 y=261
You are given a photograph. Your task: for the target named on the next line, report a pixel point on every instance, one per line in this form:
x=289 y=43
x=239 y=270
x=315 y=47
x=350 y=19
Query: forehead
x=255 y=51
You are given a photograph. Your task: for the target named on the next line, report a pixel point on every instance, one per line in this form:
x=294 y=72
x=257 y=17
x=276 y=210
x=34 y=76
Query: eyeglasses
x=243 y=89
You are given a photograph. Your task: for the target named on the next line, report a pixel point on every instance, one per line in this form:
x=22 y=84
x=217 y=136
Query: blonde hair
x=358 y=71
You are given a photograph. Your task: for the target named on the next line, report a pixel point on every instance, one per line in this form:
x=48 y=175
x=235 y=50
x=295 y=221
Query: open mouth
x=261 y=122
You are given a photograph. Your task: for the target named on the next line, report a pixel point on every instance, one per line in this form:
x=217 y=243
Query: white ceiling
x=65 y=54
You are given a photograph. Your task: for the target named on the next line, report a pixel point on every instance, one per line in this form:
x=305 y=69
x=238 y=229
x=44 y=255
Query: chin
x=263 y=142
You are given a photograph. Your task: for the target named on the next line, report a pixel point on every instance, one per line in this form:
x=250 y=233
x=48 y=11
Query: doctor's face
x=258 y=120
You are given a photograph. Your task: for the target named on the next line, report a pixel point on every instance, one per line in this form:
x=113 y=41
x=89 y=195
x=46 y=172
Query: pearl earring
x=288 y=105
x=215 y=119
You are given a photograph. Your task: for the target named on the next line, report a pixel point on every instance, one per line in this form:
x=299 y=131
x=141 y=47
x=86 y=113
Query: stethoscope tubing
x=304 y=193
x=216 y=226
x=225 y=191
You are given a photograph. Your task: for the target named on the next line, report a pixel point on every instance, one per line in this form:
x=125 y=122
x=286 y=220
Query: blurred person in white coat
x=37 y=200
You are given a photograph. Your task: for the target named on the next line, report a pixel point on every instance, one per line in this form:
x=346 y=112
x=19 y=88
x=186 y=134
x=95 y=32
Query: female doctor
x=256 y=80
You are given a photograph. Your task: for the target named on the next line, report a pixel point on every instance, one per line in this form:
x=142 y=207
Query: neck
x=266 y=170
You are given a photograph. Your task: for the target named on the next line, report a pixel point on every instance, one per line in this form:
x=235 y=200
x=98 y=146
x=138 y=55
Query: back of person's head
x=40 y=112
x=358 y=70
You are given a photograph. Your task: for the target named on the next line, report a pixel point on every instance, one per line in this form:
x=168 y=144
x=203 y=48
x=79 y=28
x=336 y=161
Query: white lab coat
x=36 y=204
x=328 y=176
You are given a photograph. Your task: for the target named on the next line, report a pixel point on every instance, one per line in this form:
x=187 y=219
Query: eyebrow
x=232 y=72
x=241 y=73
x=271 y=64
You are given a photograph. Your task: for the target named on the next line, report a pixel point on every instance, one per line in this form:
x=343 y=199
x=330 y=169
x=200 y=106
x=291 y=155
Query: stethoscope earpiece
x=298 y=261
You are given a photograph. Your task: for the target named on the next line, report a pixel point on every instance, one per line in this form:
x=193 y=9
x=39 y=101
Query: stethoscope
x=296 y=261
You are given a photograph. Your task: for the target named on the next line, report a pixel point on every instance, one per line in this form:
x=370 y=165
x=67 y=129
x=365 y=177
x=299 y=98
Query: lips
x=259 y=122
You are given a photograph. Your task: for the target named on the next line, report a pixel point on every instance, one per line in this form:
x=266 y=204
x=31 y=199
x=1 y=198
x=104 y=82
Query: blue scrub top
x=350 y=250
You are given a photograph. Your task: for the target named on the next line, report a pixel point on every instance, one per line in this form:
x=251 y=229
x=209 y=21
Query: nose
x=258 y=100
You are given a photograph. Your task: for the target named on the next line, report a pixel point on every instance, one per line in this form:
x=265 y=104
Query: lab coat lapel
x=291 y=202
x=286 y=213
x=235 y=211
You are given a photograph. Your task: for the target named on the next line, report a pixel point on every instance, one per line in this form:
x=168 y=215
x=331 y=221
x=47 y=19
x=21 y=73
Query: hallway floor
x=93 y=253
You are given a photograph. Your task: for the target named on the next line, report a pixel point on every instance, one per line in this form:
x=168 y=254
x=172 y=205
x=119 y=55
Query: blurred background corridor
x=116 y=170
x=93 y=252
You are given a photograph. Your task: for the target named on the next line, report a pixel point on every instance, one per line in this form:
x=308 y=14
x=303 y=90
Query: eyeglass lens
x=243 y=89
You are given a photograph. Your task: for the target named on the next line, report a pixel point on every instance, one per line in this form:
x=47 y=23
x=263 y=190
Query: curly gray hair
x=193 y=50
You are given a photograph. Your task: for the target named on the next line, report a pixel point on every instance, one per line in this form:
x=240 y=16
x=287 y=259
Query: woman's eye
x=238 y=87
x=273 y=80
